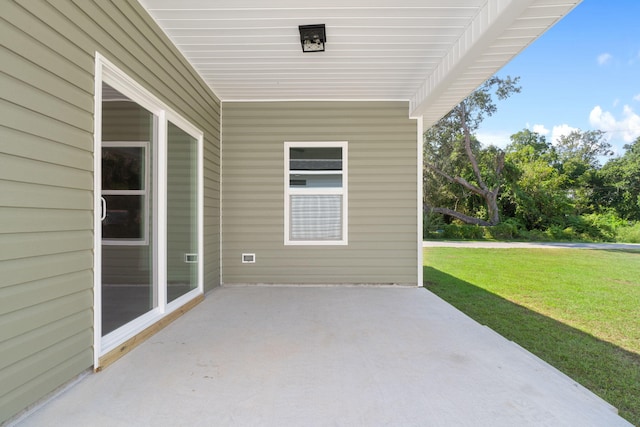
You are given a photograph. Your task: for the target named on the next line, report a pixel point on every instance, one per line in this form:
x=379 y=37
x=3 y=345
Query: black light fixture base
x=312 y=37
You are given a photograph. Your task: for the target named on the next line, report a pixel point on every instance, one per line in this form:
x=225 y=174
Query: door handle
x=103 y=207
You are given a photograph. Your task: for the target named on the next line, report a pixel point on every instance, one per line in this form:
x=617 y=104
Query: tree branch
x=462 y=217
x=440 y=172
x=499 y=166
x=457 y=180
x=467 y=147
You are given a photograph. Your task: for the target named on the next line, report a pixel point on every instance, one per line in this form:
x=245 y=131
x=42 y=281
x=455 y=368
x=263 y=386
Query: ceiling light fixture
x=312 y=37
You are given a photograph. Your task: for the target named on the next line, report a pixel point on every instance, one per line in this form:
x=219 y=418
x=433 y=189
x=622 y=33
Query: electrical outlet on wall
x=191 y=258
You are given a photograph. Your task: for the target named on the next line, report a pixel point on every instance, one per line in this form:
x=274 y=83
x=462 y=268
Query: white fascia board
x=307 y=99
x=494 y=18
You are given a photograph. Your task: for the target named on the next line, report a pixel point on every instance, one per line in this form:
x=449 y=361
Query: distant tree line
x=532 y=189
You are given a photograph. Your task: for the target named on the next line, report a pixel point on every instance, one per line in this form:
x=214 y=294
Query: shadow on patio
x=576 y=353
x=317 y=356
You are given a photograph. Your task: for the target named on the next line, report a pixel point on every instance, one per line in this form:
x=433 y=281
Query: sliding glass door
x=148 y=210
x=129 y=282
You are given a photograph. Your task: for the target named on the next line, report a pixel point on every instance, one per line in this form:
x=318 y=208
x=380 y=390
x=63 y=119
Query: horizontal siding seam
x=7 y=258
x=44 y=336
x=21 y=107
x=45 y=185
x=31 y=392
x=48 y=95
x=44 y=162
x=34 y=286
x=77 y=309
x=35 y=374
x=2 y=289
x=47 y=348
x=82 y=252
x=45 y=46
x=63 y=86
x=90 y=210
x=30 y=139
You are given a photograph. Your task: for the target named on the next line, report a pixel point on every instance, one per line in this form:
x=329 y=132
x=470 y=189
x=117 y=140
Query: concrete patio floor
x=326 y=356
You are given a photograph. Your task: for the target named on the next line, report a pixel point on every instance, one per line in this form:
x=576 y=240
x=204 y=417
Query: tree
x=583 y=147
x=534 y=144
x=534 y=191
x=452 y=155
x=620 y=179
x=578 y=159
x=551 y=184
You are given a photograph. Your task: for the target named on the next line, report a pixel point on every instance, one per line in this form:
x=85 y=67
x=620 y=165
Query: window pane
x=315 y=158
x=125 y=218
x=123 y=168
x=316 y=217
x=128 y=286
x=315 y=181
x=182 y=213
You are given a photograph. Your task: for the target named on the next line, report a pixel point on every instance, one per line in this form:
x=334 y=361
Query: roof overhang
x=430 y=53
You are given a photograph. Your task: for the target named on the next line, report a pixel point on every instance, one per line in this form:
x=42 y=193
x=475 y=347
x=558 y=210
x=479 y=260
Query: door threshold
x=131 y=343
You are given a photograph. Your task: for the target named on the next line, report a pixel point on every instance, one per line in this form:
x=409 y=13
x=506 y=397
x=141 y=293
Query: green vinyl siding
x=47 y=63
x=382 y=193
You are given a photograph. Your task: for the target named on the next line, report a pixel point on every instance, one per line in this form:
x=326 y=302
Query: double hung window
x=124 y=190
x=316 y=193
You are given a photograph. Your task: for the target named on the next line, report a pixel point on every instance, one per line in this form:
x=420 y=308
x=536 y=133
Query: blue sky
x=583 y=73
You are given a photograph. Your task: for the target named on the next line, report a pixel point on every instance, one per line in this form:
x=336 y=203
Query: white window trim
x=420 y=199
x=328 y=191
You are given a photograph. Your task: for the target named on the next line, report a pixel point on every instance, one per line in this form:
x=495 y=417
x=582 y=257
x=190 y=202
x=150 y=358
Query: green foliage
x=607 y=223
x=432 y=225
x=532 y=143
x=580 y=151
x=534 y=193
x=463 y=232
x=628 y=234
x=507 y=230
x=546 y=183
x=595 y=227
x=620 y=183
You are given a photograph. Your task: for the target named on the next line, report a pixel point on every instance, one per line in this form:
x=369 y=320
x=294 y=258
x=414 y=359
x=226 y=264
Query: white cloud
x=540 y=129
x=616 y=102
x=637 y=97
x=561 y=130
x=602 y=120
x=498 y=138
x=627 y=128
x=604 y=58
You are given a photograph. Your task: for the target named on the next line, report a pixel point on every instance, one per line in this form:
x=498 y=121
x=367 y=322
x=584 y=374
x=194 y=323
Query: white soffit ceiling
x=431 y=53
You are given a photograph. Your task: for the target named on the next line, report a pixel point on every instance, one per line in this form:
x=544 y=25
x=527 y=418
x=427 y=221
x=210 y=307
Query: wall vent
x=248 y=258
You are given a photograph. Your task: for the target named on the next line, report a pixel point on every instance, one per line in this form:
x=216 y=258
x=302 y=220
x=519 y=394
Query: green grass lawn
x=579 y=310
